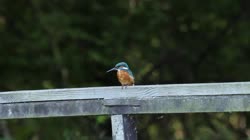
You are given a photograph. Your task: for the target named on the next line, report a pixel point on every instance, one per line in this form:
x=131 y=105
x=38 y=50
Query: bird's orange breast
x=124 y=78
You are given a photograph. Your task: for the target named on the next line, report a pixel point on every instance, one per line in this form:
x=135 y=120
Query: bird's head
x=120 y=66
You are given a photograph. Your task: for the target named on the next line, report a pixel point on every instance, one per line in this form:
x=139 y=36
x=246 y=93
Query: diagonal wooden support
x=123 y=127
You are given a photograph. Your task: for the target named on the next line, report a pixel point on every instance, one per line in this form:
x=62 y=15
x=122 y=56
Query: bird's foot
x=124 y=86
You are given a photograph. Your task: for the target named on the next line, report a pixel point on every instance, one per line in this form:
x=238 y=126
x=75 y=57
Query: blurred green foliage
x=62 y=44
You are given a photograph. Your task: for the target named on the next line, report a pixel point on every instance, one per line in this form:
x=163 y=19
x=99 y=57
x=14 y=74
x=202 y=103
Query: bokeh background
x=65 y=43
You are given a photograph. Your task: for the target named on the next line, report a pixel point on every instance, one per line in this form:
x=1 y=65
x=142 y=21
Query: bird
x=124 y=74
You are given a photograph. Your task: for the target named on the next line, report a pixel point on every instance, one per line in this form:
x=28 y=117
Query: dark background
x=66 y=43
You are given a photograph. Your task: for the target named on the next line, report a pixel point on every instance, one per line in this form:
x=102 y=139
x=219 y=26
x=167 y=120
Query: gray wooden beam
x=119 y=103
x=123 y=127
x=117 y=127
x=172 y=104
x=215 y=97
x=149 y=91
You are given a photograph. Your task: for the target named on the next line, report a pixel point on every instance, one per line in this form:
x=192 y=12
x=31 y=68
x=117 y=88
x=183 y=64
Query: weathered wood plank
x=121 y=102
x=123 y=127
x=137 y=92
x=168 y=104
x=118 y=132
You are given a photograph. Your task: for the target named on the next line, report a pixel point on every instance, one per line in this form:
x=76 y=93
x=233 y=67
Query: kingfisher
x=124 y=74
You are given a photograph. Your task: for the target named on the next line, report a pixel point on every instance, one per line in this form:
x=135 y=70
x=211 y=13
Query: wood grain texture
x=123 y=127
x=137 y=92
x=176 y=104
x=215 y=97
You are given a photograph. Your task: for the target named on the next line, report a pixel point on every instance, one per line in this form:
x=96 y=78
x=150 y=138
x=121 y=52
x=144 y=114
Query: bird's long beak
x=112 y=69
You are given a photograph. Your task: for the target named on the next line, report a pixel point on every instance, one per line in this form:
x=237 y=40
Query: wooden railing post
x=123 y=127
